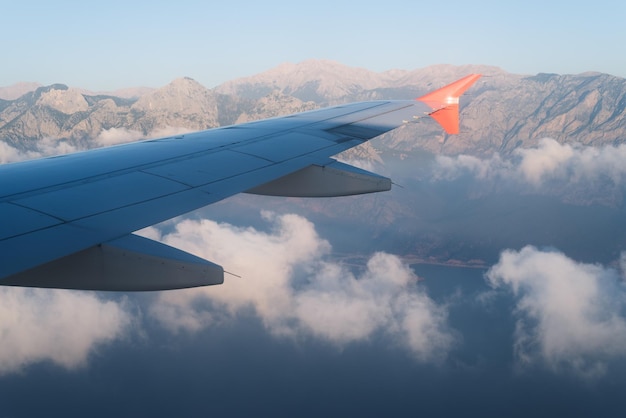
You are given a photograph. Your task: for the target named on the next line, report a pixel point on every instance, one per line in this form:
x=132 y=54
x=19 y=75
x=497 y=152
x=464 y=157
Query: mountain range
x=465 y=220
x=502 y=112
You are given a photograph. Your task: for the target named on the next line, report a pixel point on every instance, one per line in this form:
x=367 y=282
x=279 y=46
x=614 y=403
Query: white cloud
x=60 y=326
x=45 y=148
x=49 y=146
x=549 y=161
x=116 y=136
x=265 y=260
x=288 y=281
x=450 y=168
x=342 y=308
x=569 y=313
x=9 y=154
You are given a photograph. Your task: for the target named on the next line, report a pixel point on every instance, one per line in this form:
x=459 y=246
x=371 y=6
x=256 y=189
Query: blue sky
x=116 y=44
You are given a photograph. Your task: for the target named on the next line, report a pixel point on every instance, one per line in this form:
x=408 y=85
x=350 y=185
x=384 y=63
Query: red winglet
x=445 y=102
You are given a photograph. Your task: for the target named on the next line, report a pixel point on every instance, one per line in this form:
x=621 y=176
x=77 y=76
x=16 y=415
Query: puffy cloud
x=60 y=326
x=569 y=313
x=116 y=136
x=50 y=146
x=450 y=168
x=265 y=260
x=9 y=154
x=577 y=174
x=288 y=281
x=342 y=308
x=45 y=148
x=549 y=161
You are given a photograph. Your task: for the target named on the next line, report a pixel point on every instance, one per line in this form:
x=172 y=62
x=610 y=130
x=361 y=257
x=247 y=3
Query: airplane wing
x=68 y=221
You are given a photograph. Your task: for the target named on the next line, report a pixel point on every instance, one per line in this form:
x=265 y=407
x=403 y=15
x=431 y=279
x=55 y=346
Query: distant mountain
x=184 y=103
x=328 y=82
x=16 y=90
x=510 y=111
x=274 y=104
x=318 y=81
x=58 y=111
x=128 y=93
x=501 y=112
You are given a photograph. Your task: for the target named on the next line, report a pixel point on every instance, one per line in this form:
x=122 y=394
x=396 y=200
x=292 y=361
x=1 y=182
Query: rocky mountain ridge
x=501 y=113
x=437 y=221
x=328 y=82
x=64 y=113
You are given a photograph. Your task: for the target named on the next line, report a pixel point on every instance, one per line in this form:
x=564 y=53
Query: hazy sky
x=116 y=44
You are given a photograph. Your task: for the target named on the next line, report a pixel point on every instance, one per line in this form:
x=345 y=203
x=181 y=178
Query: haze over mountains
x=501 y=113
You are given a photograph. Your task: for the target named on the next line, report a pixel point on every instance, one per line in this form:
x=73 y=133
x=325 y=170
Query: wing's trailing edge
x=68 y=221
x=445 y=102
x=131 y=263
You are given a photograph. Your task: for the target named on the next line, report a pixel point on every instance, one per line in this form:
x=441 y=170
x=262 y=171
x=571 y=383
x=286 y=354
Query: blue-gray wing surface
x=68 y=220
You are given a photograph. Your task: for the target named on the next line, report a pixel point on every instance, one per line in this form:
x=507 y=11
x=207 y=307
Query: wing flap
x=131 y=263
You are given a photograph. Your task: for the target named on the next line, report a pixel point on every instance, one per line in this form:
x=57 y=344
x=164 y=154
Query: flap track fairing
x=330 y=180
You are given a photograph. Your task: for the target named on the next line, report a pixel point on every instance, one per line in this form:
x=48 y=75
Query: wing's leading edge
x=67 y=221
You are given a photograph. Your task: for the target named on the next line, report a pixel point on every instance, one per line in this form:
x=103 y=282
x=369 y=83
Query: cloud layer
x=550 y=167
x=548 y=161
x=290 y=283
x=570 y=316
